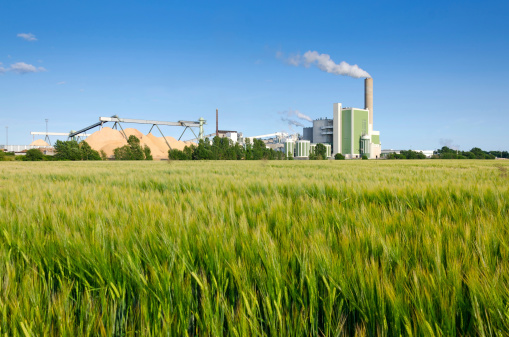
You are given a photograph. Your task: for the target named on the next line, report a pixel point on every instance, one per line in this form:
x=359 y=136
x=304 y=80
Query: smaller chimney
x=217 y=122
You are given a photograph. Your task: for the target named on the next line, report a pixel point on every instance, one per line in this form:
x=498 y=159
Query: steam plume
x=291 y=122
x=324 y=63
x=449 y=143
x=294 y=113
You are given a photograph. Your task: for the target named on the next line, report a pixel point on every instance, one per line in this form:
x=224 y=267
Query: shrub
x=34 y=155
x=364 y=157
x=339 y=156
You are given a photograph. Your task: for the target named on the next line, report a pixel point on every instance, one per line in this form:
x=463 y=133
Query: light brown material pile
x=39 y=142
x=108 y=140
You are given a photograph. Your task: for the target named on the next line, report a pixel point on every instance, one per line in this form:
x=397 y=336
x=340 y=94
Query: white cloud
x=27 y=36
x=24 y=68
x=60 y=83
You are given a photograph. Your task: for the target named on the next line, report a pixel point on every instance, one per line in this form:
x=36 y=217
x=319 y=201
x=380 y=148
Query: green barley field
x=259 y=248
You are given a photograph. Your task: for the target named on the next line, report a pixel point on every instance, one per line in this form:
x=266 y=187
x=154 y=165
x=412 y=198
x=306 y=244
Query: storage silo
x=328 y=149
x=303 y=147
x=289 y=148
x=364 y=148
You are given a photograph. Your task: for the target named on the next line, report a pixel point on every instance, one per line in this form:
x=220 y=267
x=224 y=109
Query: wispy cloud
x=27 y=36
x=2 y=69
x=324 y=63
x=60 y=83
x=25 y=68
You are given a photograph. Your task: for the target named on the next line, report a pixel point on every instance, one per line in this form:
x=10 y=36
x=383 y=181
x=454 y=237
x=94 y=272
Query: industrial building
x=350 y=131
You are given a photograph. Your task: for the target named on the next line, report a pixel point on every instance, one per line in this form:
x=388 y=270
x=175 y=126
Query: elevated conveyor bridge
x=117 y=122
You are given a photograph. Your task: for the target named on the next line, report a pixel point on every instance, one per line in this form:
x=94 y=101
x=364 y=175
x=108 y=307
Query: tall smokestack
x=217 y=122
x=368 y=99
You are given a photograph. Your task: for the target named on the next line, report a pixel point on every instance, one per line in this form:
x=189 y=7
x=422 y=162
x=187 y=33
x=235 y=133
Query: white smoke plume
x=324 y=63
x=294 y=113
x=449 y=143
x=292 y=122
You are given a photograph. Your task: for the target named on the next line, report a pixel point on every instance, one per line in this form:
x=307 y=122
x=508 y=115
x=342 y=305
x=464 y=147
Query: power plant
x=349 y=132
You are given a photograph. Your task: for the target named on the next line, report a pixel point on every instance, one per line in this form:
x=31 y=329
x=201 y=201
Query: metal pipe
x=183 y=133
x=166 y=140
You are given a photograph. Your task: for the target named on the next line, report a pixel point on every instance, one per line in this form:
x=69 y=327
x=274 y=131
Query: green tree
x=67 y=150
x=103 y=155
x=123 y=153
x=413 y=154
x=34 y=155
x=175 y=154
x=259 y=149
x=320 y=151
x=339 y=156
x=136 y=150
x=147 y=153
x=248 y=150
x=87 y=153
x=188 y=151
x=131 y=151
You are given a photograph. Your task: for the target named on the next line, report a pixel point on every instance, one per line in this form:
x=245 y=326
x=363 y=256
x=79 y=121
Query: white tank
x=365 y=145
x=303 y=147
x=328 y=147
x=289 y=148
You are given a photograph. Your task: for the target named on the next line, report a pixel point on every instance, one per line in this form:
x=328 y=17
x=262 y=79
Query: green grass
x=291 y=248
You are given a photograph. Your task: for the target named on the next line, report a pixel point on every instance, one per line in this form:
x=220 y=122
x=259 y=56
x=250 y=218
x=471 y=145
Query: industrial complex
x=349 y=132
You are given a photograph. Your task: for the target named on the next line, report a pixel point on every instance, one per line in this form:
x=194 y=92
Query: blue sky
x=439 y=67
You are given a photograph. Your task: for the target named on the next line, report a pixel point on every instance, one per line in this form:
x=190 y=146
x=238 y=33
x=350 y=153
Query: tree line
x=448 y=153
x=72 y=150
x=222 y=149
x=225 y=149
